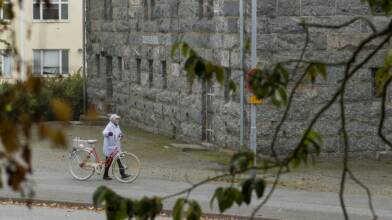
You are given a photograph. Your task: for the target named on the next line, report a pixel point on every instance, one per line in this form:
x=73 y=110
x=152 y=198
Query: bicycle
x=84 y=162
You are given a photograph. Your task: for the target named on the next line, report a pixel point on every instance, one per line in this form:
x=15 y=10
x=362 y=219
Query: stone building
x=130 y=71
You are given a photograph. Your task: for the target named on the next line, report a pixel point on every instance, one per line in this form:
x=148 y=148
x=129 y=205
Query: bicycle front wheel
x=126 y=167
x=80 y=164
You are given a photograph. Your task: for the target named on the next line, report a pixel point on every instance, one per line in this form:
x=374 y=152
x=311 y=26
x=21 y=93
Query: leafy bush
x=68 y=89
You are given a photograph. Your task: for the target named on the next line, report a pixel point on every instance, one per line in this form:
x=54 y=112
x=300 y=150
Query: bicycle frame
x=98 y=162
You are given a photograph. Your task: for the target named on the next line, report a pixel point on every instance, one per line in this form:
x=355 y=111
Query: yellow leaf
x=8 y=135
x=56 y=136
x=8 y=108
x=33 y=84
x=61 y=110
x=92 y=113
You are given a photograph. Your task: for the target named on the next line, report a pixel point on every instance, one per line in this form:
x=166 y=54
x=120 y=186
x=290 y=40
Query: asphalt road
x=19 y=212
x=284 y=204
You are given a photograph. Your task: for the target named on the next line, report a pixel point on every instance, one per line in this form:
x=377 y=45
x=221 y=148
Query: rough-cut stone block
x=352 y=8
x=288 y=8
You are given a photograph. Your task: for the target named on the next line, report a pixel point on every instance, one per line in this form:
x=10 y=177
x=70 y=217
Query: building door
x=207 y=111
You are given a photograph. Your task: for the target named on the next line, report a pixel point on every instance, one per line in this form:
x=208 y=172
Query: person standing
x=112 y=140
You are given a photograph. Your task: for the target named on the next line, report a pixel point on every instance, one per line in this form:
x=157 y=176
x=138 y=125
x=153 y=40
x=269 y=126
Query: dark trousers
x=107 y=166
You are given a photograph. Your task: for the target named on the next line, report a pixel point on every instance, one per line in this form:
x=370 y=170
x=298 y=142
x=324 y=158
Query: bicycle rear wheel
x=128 y=164
x=80 y=162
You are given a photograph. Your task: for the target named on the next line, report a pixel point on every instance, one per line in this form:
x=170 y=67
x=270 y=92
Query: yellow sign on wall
x=254 y=100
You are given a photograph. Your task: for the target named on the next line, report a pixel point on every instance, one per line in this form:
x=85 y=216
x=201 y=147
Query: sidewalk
x=285 y=204
x=19 y=212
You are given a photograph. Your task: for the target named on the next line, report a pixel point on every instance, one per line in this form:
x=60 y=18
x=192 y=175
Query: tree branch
x=365 y=19
x=265 y=200
x=369 y=194
x=382 y=119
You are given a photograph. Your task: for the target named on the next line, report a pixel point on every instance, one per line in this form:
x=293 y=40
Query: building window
x=152 y=9
x=98 y=62
x=149 y=7
x=206 y=8
x=50 y=62
x=108 y=7
x=120 y=67
x=6 y=64
x=200 y=8
x=164 y=74
x=374 y=87
x=145 y=7
x=150 y=73
x=138 y=71
x=6 y=12
x=56 y=10
x=109 y=81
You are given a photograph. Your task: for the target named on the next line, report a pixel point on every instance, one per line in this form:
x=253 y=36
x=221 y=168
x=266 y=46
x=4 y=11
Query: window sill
x=51 y=21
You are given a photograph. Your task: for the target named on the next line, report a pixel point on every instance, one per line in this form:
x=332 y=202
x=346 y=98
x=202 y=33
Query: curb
x=69 y=204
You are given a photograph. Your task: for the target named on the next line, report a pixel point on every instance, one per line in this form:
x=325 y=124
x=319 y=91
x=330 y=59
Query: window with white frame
x=50 y=62
x=56 y=10
x=6 y=64
x=6 y=12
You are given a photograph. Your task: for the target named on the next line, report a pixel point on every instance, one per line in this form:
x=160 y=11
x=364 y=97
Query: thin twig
x=382 y=119
x=329 y=26
x=368 y=192
x=210 y=179
x=387 y=31
x=283 y=119
x=265 y=200
x=345 y=140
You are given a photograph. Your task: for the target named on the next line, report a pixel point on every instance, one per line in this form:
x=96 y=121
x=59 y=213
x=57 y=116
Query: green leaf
x=226 y=201
x=99 y=195
x=295 y=162
x=388 y=59
x=241 y=161
x=200 y=68
x=316 y=69
x=276 y=100
x=236 y=195
x=259 y=185
x=283 y=94
x=189 y=66
x=219 y=74
x=184 y=49
x=247 y=188
x=232 y=86
x=384 y=5
x=194 y=211
x=381 y=78
x=283 y=72
x=315 y=136
x=217 y=194
x=147 y=207
x=174 y=49
x=178 y=209
x=322 y=70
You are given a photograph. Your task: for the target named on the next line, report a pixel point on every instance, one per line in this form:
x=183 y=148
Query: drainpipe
x=253 y=128
x=241 y=73
x=84 y=57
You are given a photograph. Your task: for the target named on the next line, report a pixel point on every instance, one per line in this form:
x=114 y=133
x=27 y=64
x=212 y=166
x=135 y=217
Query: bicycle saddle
x=91 y=141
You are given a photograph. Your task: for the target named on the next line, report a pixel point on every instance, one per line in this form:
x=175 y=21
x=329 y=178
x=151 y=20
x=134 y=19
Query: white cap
x=114 y=116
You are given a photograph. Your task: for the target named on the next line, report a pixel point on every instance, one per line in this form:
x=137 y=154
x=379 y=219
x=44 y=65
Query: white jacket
x=110 y=143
